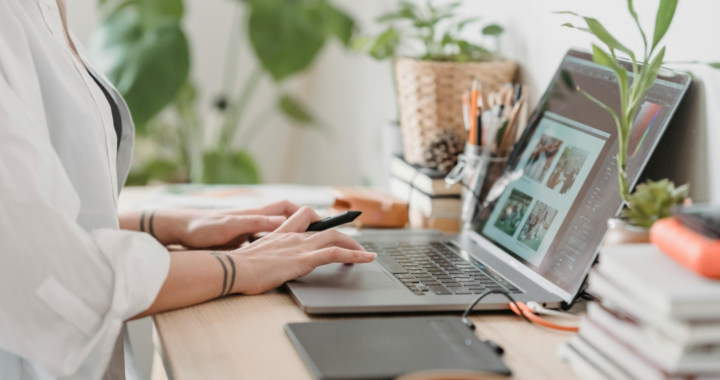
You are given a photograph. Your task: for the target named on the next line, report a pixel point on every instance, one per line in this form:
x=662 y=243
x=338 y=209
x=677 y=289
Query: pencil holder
x=430 y=97
x=477 y=170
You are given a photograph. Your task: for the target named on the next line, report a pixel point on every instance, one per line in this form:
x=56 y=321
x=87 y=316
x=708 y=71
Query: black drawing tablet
x=389 y=347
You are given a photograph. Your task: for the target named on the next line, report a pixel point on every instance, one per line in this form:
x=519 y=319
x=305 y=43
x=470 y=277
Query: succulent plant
x=653 y=201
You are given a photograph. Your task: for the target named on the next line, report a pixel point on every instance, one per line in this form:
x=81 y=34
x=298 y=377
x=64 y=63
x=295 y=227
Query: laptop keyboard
x=434 y=268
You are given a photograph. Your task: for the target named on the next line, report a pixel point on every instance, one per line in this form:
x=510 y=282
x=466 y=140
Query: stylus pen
x=333 y=221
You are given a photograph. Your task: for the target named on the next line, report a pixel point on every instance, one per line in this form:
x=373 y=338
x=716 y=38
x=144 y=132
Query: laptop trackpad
x=361 y=276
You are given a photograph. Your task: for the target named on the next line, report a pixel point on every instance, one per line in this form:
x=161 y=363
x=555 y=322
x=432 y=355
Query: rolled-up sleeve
x=64 y=292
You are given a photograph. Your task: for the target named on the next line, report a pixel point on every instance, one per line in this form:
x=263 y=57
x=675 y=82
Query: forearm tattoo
x=151 y=229
x=225 y=288
x=142 y=221
x=150 y=224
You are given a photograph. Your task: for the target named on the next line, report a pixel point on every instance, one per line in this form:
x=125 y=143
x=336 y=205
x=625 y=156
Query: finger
x=300 y=220
x=334 y=238
x=251 y=224
x=339 y=255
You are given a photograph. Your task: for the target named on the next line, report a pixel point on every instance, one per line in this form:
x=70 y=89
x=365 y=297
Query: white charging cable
x=537 y=309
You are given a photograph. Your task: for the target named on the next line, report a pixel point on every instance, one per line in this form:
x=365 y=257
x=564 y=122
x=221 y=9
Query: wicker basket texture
x=430 y=97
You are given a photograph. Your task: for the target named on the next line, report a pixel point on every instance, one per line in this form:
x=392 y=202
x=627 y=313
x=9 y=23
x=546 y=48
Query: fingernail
x=278 y=219
x=370 y=255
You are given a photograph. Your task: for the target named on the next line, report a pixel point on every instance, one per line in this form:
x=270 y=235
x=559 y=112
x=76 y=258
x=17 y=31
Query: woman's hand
x=289 y=253
x=208 y=228
x=283 y=255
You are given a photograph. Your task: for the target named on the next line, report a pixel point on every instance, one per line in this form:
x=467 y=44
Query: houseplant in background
x=142 y=48
x=433 y=64
x=652 y=200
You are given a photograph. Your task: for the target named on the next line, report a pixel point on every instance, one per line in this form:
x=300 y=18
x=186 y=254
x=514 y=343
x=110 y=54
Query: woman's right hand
x=289 y=252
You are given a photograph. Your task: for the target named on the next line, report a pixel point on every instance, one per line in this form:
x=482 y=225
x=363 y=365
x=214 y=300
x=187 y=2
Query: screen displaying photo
x=512 y=212
x=553 y=169
x=567 y=169
x=541 y=157
x=537 y=225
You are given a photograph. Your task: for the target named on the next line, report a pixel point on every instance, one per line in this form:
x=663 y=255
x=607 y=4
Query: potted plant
x=433 y=65
x=653 y=200
x=142 y=48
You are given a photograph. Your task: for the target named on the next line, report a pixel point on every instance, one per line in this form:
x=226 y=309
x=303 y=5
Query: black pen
x=333 y=221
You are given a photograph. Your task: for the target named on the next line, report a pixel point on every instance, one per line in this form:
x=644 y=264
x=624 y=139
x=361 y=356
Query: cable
x=525 y=311
x=469 y=324
x=537 y=309
x=518 y=308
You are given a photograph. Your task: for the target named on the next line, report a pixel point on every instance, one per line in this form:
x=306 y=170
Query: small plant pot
x=430 y=97
x=620 y=232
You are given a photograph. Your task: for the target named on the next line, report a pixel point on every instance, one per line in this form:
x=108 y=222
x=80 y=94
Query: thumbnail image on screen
x=537 y=225
x=541 y=157
x=643 y=123
x=567 y=169
x=513 y=212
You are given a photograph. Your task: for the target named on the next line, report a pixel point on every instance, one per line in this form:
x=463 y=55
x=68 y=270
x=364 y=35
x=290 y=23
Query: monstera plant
x=143 y=49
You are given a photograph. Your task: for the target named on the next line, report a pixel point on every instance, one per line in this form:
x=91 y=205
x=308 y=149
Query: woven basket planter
x=430 y=97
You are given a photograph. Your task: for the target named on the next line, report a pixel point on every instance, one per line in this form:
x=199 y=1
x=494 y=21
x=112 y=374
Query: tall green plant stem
x=237 y=109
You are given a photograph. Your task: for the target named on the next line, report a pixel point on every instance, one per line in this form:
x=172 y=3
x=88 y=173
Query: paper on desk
x=231 y=196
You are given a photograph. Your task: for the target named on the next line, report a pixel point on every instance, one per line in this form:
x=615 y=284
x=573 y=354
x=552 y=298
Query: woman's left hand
x=217 y=228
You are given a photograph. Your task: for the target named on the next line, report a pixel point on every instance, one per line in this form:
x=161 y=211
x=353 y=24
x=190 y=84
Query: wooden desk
x=242 y=337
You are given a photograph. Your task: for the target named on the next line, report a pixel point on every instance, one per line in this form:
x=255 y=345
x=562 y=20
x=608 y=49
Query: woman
x=69 y=276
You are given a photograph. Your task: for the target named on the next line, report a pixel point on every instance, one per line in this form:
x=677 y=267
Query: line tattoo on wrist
x=142 y=221
x=225 y=288
x=150 y=224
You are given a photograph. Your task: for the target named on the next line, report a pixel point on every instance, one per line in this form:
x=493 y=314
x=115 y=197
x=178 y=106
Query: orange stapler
x=697 y=252
x=378 y=209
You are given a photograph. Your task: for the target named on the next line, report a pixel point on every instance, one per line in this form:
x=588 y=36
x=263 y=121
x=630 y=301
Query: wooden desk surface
x=243 y=337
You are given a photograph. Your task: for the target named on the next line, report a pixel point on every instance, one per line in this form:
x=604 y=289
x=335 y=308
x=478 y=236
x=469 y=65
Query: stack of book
x=655 y=320
x=431 y=203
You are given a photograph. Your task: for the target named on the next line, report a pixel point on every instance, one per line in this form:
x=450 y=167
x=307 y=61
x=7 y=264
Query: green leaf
x=569 y=25
x=335 y=22
x=360 y=43
x=159 y=170
x=153 y=10
x=283 y=35
x=665 y=14
x=653 y=201
x=602 y=58
x=460 y=25
x=603 y=35
x=147 y=63
x=634 y=15
x=493 y=30
x=392 y=16
x=385 y=44
x=650 y=72
x=294 y=110
x=714 y=65
x=230 y=168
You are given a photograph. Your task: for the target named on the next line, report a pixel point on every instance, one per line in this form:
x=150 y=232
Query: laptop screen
x=550 y=208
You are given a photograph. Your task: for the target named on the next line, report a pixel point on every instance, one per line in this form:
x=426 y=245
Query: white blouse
x=69 y=278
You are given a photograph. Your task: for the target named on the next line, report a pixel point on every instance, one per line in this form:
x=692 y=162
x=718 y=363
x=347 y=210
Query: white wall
x=354 y=94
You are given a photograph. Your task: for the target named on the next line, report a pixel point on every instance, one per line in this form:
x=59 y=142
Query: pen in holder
x=477 y=169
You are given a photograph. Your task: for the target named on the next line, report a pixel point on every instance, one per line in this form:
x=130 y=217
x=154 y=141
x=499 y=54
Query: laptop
x=541 y=227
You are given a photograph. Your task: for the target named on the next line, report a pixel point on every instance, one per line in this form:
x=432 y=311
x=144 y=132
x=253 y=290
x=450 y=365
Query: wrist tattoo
x=142 y=221
x=225 y=288
x=150 y=224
